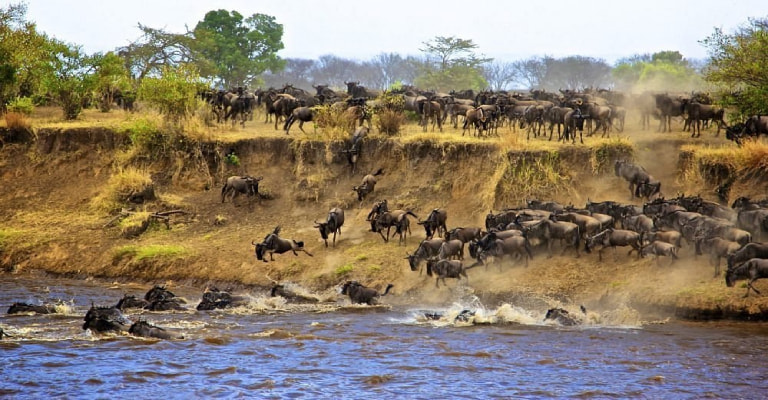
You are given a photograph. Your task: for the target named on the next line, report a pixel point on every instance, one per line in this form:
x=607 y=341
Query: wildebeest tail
x=389 y=286
x=412 y=214
x=378 y=172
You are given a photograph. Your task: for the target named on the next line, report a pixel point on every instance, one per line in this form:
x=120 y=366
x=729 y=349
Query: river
x=272 y=349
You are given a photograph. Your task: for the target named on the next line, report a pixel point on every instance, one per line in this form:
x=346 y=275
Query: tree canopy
x=451 y=63
x=738 y=65
x=239 y=49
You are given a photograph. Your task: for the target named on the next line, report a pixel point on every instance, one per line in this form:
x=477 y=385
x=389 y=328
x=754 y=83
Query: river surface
x=273 y=349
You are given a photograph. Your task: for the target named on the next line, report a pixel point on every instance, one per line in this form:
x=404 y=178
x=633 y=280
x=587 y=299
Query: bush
x=21 y=105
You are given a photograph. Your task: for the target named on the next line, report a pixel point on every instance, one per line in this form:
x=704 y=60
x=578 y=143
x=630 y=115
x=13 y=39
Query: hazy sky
x=361 y=29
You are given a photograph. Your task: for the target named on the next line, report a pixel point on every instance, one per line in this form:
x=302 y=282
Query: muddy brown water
x=274 y=349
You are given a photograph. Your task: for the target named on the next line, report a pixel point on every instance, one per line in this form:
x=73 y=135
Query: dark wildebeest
x=241 y=106
x=162 y=299
x=290 y=295
x=143 y=328
x=273 y=243
x=752 y=269
x=367 y=185
x=573 y=120
x=103 y=319
x=301 y=114
x=451 y=248
x=614 y=238
x=547 y=231
x=668 y=108
x=716 y=247
x=699 y=113
x=237 y=185
x=355 y=146
x=492 y=245
x=213 y=299
x=563 y=317
x=658 y=249
x=465 y=235
x=19 y=308
x=3 y=334
x=398 y=219
x=332 y=224
x=447 y=269
x=474 y=117
x=751 y=250
x=360 y=294
x=131 y=301
x=427 y=249
x=435 y=223
x=636 y=175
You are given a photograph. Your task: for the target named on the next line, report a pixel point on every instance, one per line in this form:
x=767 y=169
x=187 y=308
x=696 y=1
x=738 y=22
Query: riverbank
x=59 y=217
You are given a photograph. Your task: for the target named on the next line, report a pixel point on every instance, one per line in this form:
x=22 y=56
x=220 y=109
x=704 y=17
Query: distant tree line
x=227 y=49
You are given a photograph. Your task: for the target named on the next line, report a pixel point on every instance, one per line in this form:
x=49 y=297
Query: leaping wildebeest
x=367 y=185
x=275 y=244
x=237 y=185
x=637 y=177
x=360 y=294
x=332 y=224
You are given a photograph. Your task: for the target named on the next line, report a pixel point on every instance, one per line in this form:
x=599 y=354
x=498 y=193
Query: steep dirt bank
x=49 y=223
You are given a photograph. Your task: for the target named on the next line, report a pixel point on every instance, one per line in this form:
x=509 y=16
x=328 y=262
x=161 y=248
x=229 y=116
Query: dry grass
x=743 y=168
x=17 y=121
x=121 y=185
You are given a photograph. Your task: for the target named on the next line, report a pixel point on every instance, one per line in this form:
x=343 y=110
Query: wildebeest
x=397 y=219
x=716 y=248
x=3 y=334
x=360 y=294
x=301 y=114
x=447 y=269
x=427 y=249
x=668 y=107
x=19 y=308
x=636 y=175
x=492 y=246
x=451 y=248
x=145 y=329
x=465 y=235
x=658 y=249
x=355 y=146
x=213 y=299
x=237 y=185
x=162 y=299
x=751 y=250
x=273 y=243
x=547 y=231
x=131 y=301
x=563 y=317
x=752 y=269
x=332 y=224
x=699 y=113
x=103 y=319
x=367 y=185
x=614 y=238
x=435 y=223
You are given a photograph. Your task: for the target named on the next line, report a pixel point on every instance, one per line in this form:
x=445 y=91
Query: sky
x=361 y=29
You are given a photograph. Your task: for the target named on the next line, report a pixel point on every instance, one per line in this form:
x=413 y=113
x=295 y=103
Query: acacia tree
x=71 y=79
x=156 y=49
x=110 y=78
x=239 y=48
x=451 y=63
x=738 y=64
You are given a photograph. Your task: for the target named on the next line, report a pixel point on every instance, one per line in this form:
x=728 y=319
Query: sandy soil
x=47 y=203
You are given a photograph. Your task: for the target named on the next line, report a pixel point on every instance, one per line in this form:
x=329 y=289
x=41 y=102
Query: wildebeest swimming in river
x=145 y=329
x=3 y=334
x=19 y=308
x=213 y=298
x=563 y=317
x=272 y=243
x=103 y=319
x=360 y=294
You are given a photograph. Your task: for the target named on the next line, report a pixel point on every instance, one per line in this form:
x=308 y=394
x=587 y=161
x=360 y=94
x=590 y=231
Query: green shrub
x=22 y=105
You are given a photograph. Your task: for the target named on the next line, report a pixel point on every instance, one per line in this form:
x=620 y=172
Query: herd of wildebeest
x=538 y=111
x=660 y=227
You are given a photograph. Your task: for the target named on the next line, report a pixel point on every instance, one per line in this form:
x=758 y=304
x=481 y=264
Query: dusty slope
x=47 y=190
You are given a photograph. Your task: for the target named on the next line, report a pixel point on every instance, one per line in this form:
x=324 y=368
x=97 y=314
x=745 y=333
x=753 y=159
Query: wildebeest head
x=730 y=277
x=325 y=229
x=260 y=249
